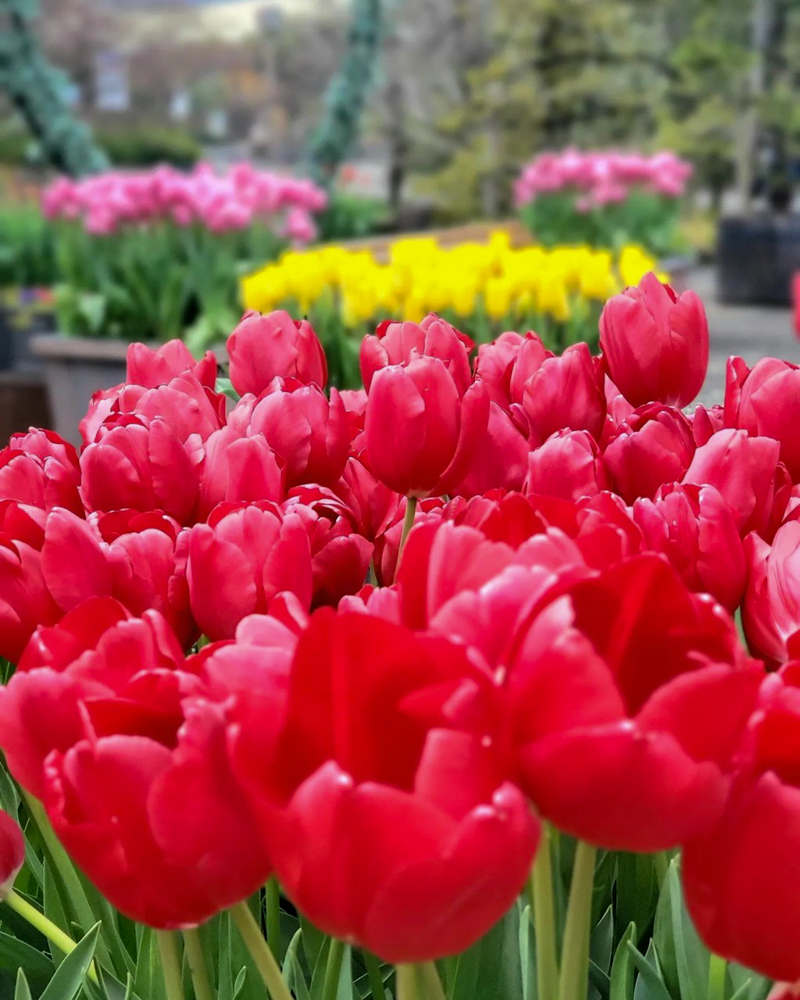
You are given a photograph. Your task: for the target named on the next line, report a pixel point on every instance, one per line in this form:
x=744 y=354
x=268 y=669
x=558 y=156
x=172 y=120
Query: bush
x=150 y=145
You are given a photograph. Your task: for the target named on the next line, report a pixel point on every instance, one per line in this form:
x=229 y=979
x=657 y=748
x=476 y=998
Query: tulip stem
x=717 y=969
x=407 y=983
x=575 y=956
x=197 y=965
x=273 y=894
x=544 y=919
x=333 y=970
x=260 y=951
x=432 y=984
x=374 y=975
x=44 y=925
x=170 y=964
x=408 y=523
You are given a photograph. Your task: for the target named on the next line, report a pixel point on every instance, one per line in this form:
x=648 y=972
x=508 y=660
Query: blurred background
x=659 y=134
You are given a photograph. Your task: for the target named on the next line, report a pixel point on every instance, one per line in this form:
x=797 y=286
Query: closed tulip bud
x=235 y=468
x=399 y=343
x=771 y=609
x=241 y=559
x=419 y=429
x=655 y=343
x=308 y=432
x=343 y=789
x=749 y=852
x=695 y=528
x=568 y=466
x=765 y=401
x=41 y=470
x=652 y=447
x=151 y=368
x=12 y=853
x=496 y=361
x=565 y=393
x=529 y=359
x=745 y=471
x=262 y=348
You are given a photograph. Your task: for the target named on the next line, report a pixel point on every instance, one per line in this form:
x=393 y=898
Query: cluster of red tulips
x=368 y=641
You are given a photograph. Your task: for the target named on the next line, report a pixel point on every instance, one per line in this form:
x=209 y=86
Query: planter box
x=23 y=403
x=74 y=369
x=757 y=258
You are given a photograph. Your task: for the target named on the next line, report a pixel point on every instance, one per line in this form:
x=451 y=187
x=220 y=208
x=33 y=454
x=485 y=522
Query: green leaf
x=17 y=954
x=691 y=955
x=622 y=968
x=22 y=991
x=491 y=969
x=747 y=985
x=238 y=986
x=637 y=891
x=292 y=970
x=602 y=941
x=67 y=981
x=650 y=978
x=148 y=980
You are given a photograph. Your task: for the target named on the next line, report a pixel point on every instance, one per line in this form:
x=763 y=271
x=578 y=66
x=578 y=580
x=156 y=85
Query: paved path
x=752 y=332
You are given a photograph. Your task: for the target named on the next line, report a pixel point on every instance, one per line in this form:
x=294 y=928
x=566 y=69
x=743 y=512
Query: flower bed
x=429 y=689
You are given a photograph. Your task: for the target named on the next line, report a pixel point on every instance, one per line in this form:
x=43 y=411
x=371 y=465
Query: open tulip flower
x=427 y=690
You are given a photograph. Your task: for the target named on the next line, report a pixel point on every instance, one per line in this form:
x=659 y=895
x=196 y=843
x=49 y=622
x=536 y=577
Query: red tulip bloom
x=655 y=343
x=12 y=853
x=235 y=468
x=372 y=504
x=530 y=357
x=568 y=466
x=420 y=428
x=262 y=348
x=628 y=695
x=382 y=793
x=241 y=559
x=565 y=393
x=740 y=876
x=765 y=401
x=652 y=447
x=745 y=470
x=496 y=364
x=153 y=367
x=771 y=609
x=308 y=432
x=140 y=465
x=499 y=459
x=696 y=529
x=399 y=343
x=41 y=469
x=705 y=422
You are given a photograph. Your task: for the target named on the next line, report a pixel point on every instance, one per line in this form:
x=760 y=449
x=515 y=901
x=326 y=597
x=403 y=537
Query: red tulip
x=387 y=543
x=153 y=367
x=705 y=422
x=628 y=695
x=241 y=559
x=784 y=991
x=420 y=429
x=308 y=432
x=235 y=467
x=745 y=471
x=339 y=554
x=496 y=363
x=740 y=877
x=381 y=790
x=695 y=528
x=771 y=609
x=499 y=459
x=373 y=505
x=140 y=465
x=529 y=359
x=399 y=343
x=765 y=401
x=565 y=393
x=655 y=343
x=652 y=447
x=262 y=348
x=41 y=469
x=12 y=853
x=568 y=466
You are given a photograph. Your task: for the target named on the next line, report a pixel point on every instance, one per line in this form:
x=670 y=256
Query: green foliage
x=149 y=145
x=350 y=216
x=27 y=249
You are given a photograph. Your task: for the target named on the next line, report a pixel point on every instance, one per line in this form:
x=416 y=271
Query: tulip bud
x=262 y=348
x=655 y=343
x=151 y=368
x=652 y=447
x=399 y=343
x=568 y=465
x=565 y=393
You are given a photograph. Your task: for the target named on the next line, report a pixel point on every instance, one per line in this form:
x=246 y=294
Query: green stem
x=44 y=925
x=408 y=523
x=170 y=964
x=273 y=894
x=197 y=965
x=374 y=975
x=407 y=983
x=544 y=919
x=575 y=957
x=717 y=969
x=432 y=984
x=260 y=952
x=333 y=970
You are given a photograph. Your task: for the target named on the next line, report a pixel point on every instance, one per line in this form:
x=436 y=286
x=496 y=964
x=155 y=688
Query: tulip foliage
x=432 y=689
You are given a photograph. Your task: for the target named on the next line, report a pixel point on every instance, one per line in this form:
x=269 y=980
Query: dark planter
x=74 y=369
x=23 y=403
x=756 y=258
